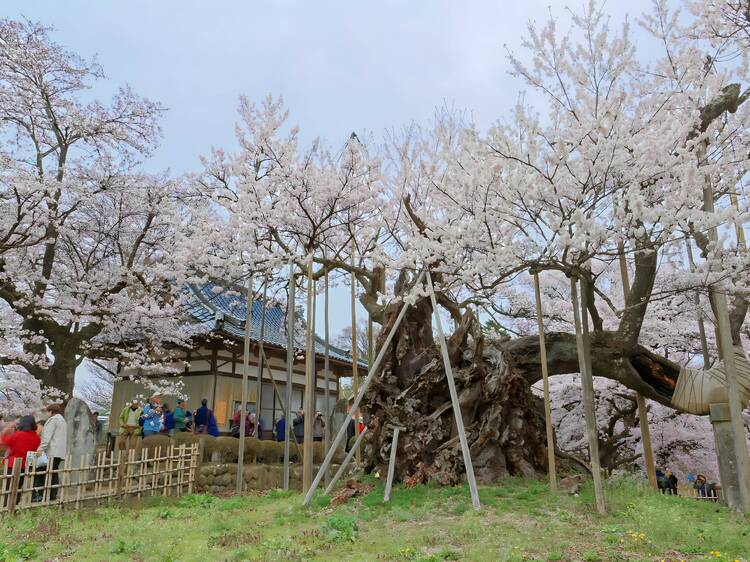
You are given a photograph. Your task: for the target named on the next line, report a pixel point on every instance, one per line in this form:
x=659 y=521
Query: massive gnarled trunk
x=504 y=421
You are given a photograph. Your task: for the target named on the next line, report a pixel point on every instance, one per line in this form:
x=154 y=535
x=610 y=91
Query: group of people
x=667 y=483
x=43 y=443
x=155 y=417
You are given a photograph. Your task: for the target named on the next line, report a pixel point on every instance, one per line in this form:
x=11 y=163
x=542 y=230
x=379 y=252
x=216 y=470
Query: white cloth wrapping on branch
x=696 y=389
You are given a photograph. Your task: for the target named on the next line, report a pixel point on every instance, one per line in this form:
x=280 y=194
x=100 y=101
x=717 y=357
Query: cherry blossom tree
x=86 y=240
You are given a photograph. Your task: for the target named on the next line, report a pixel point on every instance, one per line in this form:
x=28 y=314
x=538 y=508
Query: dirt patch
x=226 y=540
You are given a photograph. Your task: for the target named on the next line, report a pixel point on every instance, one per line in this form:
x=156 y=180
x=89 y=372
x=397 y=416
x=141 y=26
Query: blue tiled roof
x=216 y=308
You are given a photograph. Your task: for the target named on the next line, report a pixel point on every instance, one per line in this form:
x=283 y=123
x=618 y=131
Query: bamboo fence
x=169 y=471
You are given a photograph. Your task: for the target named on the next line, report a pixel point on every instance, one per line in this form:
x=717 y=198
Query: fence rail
x=169 y=471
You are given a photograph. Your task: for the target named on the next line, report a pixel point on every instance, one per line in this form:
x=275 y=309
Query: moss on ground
x=520 y=521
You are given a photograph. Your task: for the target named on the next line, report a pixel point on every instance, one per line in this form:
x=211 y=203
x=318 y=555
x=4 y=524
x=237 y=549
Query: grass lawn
x=519 y=521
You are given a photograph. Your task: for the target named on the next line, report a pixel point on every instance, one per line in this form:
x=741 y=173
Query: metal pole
x=289 y=366
x=587 y=389
x=326 y=368
x=551 y=468
x=648 y=451
x=365 y=384
x=355 y=350
x=261 y=359
x=344 y=464
x=309 y=402
x=454 y=398
x=245 y=373
x=391 y=465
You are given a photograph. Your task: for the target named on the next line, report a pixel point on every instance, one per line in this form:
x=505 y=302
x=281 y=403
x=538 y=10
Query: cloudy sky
x=344 y=66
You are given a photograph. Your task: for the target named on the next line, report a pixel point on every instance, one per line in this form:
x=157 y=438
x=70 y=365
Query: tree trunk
x=504 y=421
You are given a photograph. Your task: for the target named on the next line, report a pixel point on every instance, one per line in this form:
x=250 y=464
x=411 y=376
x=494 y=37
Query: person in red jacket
x=20 y=438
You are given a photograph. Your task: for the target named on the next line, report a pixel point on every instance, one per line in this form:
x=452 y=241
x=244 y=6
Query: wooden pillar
x=214 y=372
x=355 y=351
x=741 y=502
x=290 y=304
x=551 y=469
x=373 y=369
x=245 y=375
x=587 y=390
x=261 y=357
x=326 y=375
x=648 y=451
x=309 y=409
x=470 y=477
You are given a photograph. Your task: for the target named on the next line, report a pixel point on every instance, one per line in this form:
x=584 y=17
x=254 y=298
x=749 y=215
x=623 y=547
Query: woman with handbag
x=54 y=446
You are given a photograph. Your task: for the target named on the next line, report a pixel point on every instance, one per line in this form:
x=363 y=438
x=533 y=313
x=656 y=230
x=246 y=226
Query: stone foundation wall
x=222 y=477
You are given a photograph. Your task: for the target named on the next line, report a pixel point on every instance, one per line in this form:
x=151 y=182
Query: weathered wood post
x=648 y=451
x=391 y=464
x=470 y=477
x=309 y=409
x=358 y=398
x=551 y=468
x=355 y=350
x=739 y=501
x=245 y=375
x=326 y=376
x=587 y=389
x=261 y=360
x=291 y=300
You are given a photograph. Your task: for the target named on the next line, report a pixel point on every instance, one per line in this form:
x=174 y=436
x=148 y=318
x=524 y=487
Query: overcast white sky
x=341 y=66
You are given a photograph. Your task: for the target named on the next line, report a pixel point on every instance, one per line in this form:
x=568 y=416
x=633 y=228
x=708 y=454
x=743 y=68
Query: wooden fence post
x=14 y=484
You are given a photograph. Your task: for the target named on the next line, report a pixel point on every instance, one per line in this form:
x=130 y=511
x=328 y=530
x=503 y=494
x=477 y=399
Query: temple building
x=212 y=367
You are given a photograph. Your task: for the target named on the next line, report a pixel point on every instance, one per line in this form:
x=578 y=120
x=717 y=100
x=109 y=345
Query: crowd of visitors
x=43 y=443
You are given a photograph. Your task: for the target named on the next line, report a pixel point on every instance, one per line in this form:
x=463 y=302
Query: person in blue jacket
x=280 y=428
x=152 y=417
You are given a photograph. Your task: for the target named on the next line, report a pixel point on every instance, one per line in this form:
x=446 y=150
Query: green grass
x=520 y=521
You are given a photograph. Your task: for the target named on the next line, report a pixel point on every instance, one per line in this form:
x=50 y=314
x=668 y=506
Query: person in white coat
x=54 y=444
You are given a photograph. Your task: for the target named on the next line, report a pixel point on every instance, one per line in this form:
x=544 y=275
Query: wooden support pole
x=245 y=375
x=343 y=466
x=454 y=398
x=726 y=345
x=391 y=465
x=587 y=388
x=358 y=398
x=326 y=374
x=355 y=350
x=551 y=469
x=309 y=409
x=648 y=451
x=697 y=302
x=291 y=300
x=261 y=355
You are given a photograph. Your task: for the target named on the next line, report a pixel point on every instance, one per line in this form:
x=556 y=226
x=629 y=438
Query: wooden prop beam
x=697 y=302
x=587 y=389
x=358 y=398
x=326 y=377
x=454 y=398
x=261 y=359
x=245 y=374
x=291 y=300
x=391 y=465
x=309 y=409
x=648 y=450
x=551 y=468
x=355 y=350
x=344 y=464
x=726 y=346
